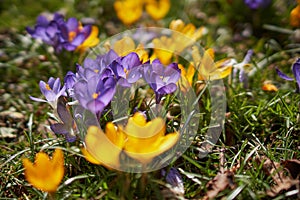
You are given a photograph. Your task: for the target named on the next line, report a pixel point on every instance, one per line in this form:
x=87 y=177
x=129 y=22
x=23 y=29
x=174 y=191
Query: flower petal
x=283 y=75
x=45 y=174
x=296 y=71
x=89 y=157
x=101 y=148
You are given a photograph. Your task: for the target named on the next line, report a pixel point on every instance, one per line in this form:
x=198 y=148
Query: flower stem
x=51 y=195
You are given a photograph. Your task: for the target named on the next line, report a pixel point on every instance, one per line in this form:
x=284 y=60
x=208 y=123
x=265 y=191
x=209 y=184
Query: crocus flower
x=188 y=30
x=61 y=34
x=295 y=16
x=174 y=178
x=104 y=148
x=157 y=9
x=70 y=79
x=95 y=94
x=268 y=86
x=255 y=4
x=160 y=78
x=47 y=31
x=90 y=41
x=296 y=72
x=129 y=11
x=52 y=90
x=146 y=140
x=45 y=173
x=207 y=68
x=183 y=35
x=67 y=126
x=139 y=139
x=77 y=37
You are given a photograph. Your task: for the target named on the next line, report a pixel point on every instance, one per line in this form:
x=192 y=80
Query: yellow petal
x=206 y=68
x=164 y=48
x=157 y=9
x=116 y=136
x=124 y=46
x=101 y=148
x=145 y=140
x=138 y=128
x=182 y=69
x=191 y=34
x=89 y=157
x=224 y=72
x=295 y=17
x=143 y=54
x=45 y=174
x=91 y=41
x=177 y=25
x=129 y=11
x=190 y=73
x=149 y=150
x=269 y=87
x=187 y=74
x=58 y=165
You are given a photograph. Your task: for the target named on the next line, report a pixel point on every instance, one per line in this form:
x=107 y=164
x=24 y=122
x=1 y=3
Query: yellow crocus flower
x=129 y=11
x=205 y=67
x=105 y=147
x=45 y=173
x=139 y=139
x=126 y=45
x=208 y=69
x=146 y=140
x=183 y=35
x=157 y=9
x=295 y=17
x=188 y=30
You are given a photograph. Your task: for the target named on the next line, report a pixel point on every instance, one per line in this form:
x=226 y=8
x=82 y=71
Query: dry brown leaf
x=223 y=180
x=293 y=166
x=275 y=170
x=219 y=183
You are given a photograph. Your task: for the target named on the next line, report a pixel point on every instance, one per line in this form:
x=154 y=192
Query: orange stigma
x=95 y=95
x=48 y=87
x=72 y=35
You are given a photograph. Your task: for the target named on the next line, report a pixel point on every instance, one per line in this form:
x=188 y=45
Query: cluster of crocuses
x=70 y=35
x=94 y=84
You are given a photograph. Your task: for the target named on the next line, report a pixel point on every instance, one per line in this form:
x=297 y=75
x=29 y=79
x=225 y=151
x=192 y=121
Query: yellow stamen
x=126 y=71
x=96 y=70
x=80 y=27
x=72 y=35
x=95 y=95
x=48 y=87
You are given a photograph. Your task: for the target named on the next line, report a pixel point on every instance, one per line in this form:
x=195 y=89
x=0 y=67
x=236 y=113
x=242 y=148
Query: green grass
x=257 y=123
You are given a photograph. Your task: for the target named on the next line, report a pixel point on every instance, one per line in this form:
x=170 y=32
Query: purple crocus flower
x=122 y=67
x=95 y=94
x=160 y=78
x=296 y=72
x=255 y=4
x=67 y=126
x=174 y=178
x=73 y=33
x=70 y=80
x=47 y=31
x=52 y=90
x=59 y=33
